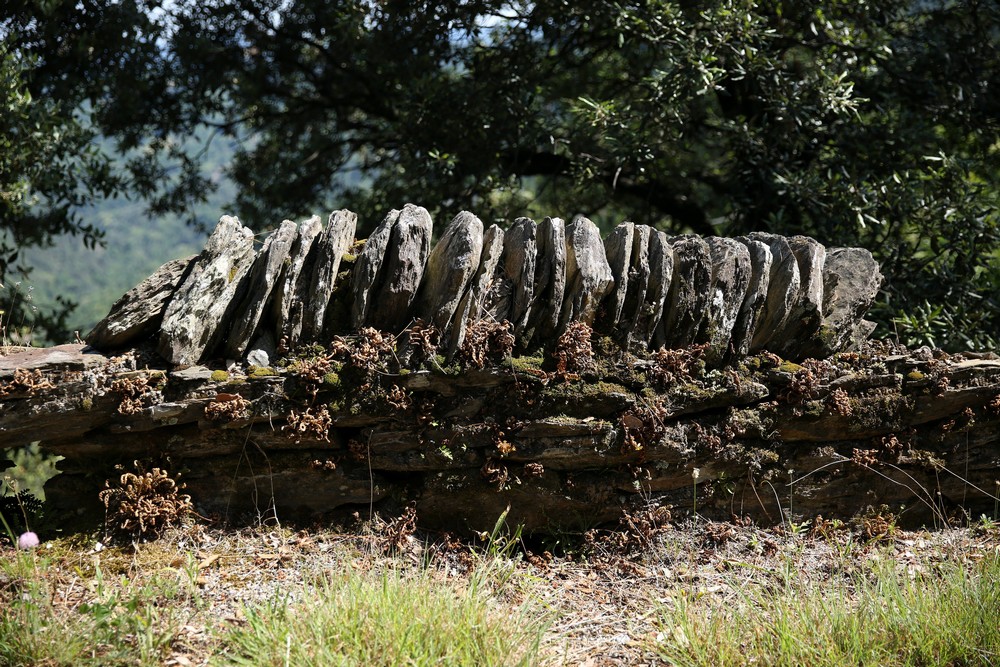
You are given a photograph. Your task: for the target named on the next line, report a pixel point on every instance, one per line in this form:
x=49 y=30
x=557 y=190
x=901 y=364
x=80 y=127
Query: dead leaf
x=208 y=562
x=631 y=421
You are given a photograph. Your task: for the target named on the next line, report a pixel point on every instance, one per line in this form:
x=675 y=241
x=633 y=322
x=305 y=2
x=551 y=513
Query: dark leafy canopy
x=48 y=168
x=864 y=123
x=58 y=62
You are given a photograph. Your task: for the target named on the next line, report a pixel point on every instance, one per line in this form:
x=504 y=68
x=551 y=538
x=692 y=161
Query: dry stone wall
x=566 y=442
x=540 y=368
x=307 y=283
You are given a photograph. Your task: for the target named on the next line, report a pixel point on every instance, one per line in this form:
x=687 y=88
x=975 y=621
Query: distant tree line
x=860 y=123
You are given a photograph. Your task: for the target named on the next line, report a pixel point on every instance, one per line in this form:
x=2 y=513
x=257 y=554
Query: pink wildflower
x=27 y=541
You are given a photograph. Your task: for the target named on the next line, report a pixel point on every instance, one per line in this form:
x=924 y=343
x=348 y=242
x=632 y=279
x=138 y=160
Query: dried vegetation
x=312 y=422
x=228 y=408
x=25 y=381
x=574 y=353
x=144 y=503
x=644 y=593
x=137 y=391
x=487 y=341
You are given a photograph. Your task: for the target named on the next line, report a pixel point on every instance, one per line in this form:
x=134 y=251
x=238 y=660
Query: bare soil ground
x=603 y=592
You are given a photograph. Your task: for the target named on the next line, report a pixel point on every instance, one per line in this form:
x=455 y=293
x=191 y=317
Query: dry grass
x=201 y=596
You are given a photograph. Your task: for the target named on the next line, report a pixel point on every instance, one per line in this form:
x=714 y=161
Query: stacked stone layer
x=772 y=440
x=791 y=296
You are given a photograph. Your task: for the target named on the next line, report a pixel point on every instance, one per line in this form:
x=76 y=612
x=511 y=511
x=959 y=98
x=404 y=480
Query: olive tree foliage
x=48 y=168
x=859 y=123
x=54 y=60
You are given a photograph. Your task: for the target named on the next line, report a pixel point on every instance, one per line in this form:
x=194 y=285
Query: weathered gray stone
x=550 y=280
x=288 y=305
x=738 y=296
x=241 y=321
x=730 y=279
x=520 y=250
x=782 y=291
x=588 y=276
x=638 y=275
x=499 y=296
x=689 y=293
x=195 y=311
x=367 y=267
x=399 y=277
x=258 y=357
x=802 y=325
x=618 y=250
x=318 y=286
x=752 y=309
x=637 y=280
x=473 y=304
x=588 y=434
x=661 y=273
x=452 y=264
x=262 y=350
x=138 y=314
x=58 y=359
x=851 y=280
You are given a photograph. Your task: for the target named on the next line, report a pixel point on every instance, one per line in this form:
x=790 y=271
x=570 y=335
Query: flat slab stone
x=256 y=293
x=200 y=301
x=330 y=247
x=57 y=359
x=588 y=275
x=399 y=277
x=288 y=306
x=138 y=314
x=550 y=280
x=730 y=279
x=689 y=293
x=782 y=291
x=499 y=296
x=752 y=309
x=661 y=274
x=473 y=305
x=618 y=250
x=195 y=374
x=637 y=286
x=520 y=251
x=367 y=268
x=851 y=281
x=451 y=266
x=802 y=326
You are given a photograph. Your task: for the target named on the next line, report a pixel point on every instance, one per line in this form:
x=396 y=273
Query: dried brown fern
x=143 y=504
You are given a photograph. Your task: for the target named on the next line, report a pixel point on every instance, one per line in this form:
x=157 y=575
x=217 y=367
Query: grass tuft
x=947 y=615
x=394 y=619
x=699 y=594
x=114 y=625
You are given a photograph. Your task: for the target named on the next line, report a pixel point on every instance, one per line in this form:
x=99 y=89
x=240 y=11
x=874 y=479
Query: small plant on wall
x=144 y=503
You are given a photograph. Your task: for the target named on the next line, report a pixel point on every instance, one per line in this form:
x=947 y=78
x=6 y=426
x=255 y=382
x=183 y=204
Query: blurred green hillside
x=135 y=244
